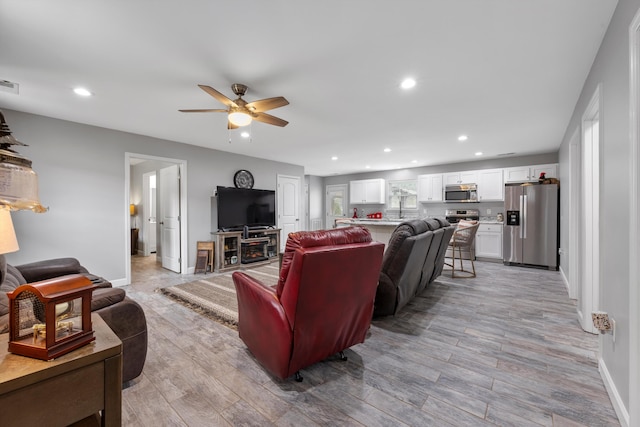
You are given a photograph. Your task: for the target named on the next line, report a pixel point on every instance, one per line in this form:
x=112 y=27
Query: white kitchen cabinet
x=551 y=171
x=489 y=241
x=367 y=191
x=464 y=177
x=529 y=173
x=490 y=185
x=430 y=188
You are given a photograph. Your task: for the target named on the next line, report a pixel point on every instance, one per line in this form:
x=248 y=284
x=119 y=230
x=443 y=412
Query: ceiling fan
x=241 y=112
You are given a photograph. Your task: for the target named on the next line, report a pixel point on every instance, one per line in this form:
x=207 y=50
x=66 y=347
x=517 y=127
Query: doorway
x=149 y=208
x=138 y=171
x=589 y=289
x=335 y=204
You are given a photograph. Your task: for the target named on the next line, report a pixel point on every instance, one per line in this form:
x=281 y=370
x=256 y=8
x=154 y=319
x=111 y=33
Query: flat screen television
x=238 y=207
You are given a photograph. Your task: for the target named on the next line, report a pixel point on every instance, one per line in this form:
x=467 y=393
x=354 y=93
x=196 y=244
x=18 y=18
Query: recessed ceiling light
x=334 y=158
x=367 y=167
x=463 y=138
x=414 y=161
x=479 y=153
x=387 y=150
x=245 y=134
x=408 y=83
x=82 y=91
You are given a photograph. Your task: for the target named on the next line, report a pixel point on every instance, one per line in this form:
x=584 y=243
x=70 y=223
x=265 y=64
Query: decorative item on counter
x=50 y=318
x=542 y=177
x=355 y=213
x=500 y=217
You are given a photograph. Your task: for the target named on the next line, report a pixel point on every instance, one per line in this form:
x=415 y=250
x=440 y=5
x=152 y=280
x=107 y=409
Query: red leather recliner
x=322 y=304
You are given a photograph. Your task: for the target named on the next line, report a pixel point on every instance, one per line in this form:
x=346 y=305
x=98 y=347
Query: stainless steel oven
x=453 y=216
x=461 y=193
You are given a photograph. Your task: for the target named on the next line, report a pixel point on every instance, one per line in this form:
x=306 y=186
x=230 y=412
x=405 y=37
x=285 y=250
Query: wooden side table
x=209 y=247
x=65 y=390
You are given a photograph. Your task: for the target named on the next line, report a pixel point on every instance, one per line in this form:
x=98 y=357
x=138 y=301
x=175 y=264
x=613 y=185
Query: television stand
x=233 y=249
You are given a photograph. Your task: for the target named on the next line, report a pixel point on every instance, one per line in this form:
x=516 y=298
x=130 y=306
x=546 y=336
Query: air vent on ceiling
x=7 y=86
x=506 y=154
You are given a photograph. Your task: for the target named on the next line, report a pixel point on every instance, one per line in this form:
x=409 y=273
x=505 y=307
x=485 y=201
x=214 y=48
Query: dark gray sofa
x=414 y=257
x=123 y=315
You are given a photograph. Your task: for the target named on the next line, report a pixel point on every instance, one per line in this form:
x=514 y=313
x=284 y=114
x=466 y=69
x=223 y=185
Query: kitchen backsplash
x=487 y=209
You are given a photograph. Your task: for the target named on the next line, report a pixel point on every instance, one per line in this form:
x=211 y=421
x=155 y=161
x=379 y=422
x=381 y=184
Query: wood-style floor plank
x=504 y=348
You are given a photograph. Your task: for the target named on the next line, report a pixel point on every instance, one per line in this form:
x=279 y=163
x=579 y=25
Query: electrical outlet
x=613 y=329
x=488 y=211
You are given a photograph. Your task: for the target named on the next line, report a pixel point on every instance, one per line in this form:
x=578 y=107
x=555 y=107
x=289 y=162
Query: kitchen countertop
x=369 y=221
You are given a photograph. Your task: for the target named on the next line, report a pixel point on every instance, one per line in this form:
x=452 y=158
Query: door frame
x=573 y=269
x=327 y=189
x=184 y=246
x=634 y=221
x=589 y=295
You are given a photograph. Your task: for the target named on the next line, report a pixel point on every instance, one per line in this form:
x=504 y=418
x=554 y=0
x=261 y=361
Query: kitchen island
x=380 y=229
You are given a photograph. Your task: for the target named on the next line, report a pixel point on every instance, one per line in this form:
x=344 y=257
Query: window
x=403 y=195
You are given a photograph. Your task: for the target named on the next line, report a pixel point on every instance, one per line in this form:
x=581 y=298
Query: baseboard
x=119 y=282
x=618 y=405
x=566 y=282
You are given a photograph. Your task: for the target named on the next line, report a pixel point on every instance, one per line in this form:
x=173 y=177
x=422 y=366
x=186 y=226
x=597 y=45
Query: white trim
x=589 y=299
x=614 y=396
x=634 y=221
x=184 y=238
x=566 y=281
x=573 y=246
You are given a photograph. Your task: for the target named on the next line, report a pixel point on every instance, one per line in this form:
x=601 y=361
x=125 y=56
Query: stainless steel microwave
x=461 y=193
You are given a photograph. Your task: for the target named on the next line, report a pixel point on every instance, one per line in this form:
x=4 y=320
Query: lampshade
x=239 y=118
x=8 y=241
x=132 y=209
x=18 y=182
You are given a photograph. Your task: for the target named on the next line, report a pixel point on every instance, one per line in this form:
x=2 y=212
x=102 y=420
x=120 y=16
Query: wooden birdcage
x=50 y=318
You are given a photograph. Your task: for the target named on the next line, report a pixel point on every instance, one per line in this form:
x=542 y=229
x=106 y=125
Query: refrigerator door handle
x=524 y=219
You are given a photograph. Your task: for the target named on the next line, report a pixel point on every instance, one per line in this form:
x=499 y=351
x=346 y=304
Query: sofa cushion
x=10 y=279
x=104 y=297
x=307 y=239
x=433 y=223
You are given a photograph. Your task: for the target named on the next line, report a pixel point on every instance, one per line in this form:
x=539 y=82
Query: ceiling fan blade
x=267 y=104
x=217 y=95
x=269 y=119
x=209 y=110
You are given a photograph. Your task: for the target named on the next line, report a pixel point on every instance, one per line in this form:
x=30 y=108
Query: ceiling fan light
x=238 y=118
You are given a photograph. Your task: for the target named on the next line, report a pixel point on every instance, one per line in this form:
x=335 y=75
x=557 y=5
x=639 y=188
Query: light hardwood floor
x=502 y=349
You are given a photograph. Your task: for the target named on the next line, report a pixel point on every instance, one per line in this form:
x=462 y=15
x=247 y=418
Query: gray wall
x=316 y=198
x=611 y=70
x=81 y=172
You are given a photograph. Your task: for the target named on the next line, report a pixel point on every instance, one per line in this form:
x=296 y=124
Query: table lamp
x=8 y=241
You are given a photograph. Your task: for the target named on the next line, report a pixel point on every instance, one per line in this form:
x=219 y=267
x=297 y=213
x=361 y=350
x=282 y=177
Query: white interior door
x=169 y=184
x=288 y=206
x=589 y=292
x=335 y=204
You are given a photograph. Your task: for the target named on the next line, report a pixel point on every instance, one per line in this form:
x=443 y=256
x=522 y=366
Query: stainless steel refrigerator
x=530 y=234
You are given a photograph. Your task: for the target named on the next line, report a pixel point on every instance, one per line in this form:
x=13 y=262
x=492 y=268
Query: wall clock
x=243 y=179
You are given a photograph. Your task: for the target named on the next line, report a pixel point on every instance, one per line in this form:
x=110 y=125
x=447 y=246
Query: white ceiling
x=507 y=73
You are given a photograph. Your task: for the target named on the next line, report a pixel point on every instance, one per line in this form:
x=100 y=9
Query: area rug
x=215 y=295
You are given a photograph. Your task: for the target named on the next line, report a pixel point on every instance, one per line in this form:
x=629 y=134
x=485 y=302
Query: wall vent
x=7 y=86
